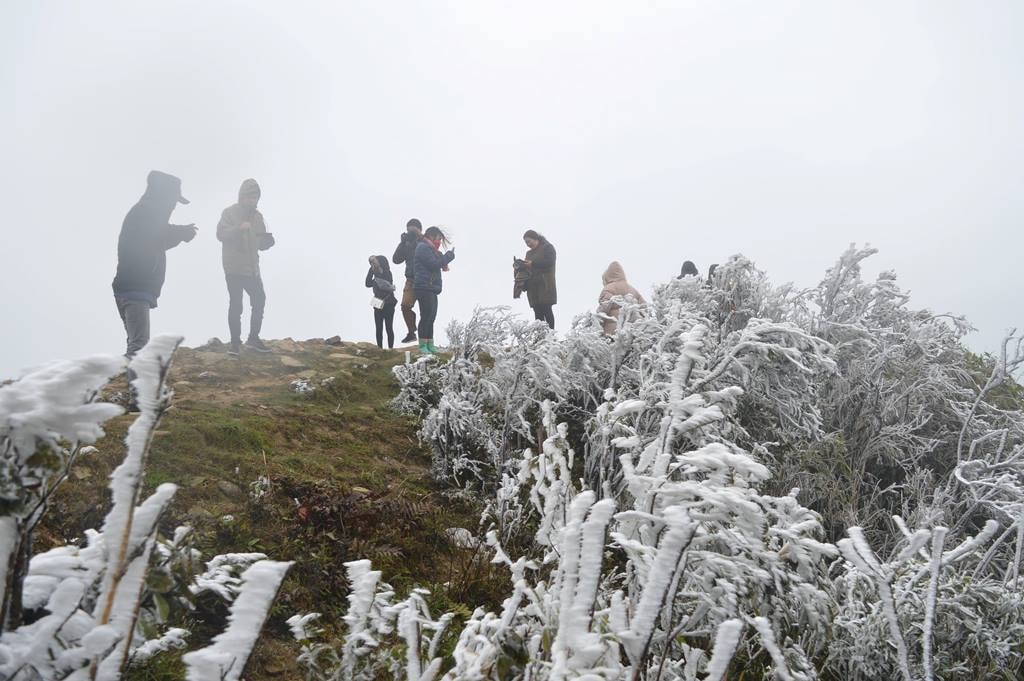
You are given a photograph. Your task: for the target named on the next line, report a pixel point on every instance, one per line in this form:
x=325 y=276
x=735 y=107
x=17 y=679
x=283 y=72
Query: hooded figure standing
x=145 y=238
x=541 y=291
x=406 y=253
x=243 y=233
x=379 y=279
x=615 y=289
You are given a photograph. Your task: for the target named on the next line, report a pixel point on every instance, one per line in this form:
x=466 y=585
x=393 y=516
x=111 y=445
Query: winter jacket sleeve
x=401 y=253
x=369 y=278
x=172 y=235
x=229 y=229
x=448 y=257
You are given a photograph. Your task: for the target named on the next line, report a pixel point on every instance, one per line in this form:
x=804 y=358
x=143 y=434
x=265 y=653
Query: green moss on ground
x=348 y=481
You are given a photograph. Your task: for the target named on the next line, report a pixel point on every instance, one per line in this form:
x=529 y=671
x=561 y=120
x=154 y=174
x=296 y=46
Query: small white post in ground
x=408 y=357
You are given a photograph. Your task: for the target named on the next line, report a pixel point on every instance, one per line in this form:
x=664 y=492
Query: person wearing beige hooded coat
x=243 y=233
x=615 y=288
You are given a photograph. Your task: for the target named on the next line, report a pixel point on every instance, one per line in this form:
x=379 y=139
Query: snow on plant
x=398 y=638
x=699 y=421
x=46 y=419
x=224 y=659
x=501 y=370
x=91 y=612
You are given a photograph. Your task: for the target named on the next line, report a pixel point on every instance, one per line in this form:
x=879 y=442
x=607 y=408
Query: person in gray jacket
x=243 y=233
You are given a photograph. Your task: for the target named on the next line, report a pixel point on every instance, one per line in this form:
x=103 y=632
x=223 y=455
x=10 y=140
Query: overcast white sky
x=648 y=132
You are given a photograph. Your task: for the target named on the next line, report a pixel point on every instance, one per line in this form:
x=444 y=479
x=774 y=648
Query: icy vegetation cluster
x=89 y=612
x=746 y=481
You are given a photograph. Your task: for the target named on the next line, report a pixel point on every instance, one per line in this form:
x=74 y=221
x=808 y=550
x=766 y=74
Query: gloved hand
x=190 y=232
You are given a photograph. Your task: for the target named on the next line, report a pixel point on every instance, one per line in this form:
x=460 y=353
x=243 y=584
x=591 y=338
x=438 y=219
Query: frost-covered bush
x=664 y=501
x=88 y=612
x=383 y=635
x=484 y=400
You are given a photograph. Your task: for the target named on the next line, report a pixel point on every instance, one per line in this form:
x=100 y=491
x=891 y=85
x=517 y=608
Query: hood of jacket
x=249 y=186
x=613 y=274
x=382 y=262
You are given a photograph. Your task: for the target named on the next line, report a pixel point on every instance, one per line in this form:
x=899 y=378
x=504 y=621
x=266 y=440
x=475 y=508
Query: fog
x=650 y=133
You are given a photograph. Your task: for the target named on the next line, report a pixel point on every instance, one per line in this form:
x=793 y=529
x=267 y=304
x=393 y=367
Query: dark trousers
x=428 y=313
x=237 y=283
x=544 y=313
x=385 y=318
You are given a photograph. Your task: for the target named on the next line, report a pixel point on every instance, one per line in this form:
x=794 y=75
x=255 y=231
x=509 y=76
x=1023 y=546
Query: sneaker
x=257 y=345
x=425 y=349
x=410 y=337
x=234 y=348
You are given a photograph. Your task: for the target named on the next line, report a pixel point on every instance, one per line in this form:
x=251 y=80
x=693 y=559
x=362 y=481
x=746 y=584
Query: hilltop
x=347 y=479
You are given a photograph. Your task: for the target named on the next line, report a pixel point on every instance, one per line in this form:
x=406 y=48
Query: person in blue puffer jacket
x=430 y=262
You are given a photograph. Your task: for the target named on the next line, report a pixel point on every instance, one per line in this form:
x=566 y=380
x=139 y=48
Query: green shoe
x=424 y=349
x=432 y=348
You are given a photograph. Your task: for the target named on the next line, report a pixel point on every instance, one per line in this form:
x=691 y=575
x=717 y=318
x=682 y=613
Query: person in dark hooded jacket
x=688 y=270
x=145 y=238
x=243 y=233
x=379 y=279
x=427 y=282
x=405 y=252
x=541 y=291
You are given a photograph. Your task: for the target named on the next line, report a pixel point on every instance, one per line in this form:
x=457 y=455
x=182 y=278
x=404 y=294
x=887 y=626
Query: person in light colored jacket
x=616 y=288
x=243 y=233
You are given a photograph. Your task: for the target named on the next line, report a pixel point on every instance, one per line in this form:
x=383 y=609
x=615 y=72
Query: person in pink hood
x=616 y=288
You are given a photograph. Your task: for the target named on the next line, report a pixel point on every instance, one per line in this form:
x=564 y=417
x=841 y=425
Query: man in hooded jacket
x=142 y=247
x=243 y=233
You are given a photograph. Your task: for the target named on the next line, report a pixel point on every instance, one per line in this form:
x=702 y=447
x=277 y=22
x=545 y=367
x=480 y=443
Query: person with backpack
x=541 y=291
x=142 y=247
x=427 y=283
x=379 y=279
x=406 y=253
x=243 y=233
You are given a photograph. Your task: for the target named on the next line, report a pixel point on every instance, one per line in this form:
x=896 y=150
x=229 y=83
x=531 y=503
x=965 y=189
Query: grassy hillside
x=348 y=480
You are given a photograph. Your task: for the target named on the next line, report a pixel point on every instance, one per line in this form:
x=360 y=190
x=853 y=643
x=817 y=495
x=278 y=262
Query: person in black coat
x=146 y=236
x=541 y=290
x=688 y=270
x=406 y=253
x=379 y=279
